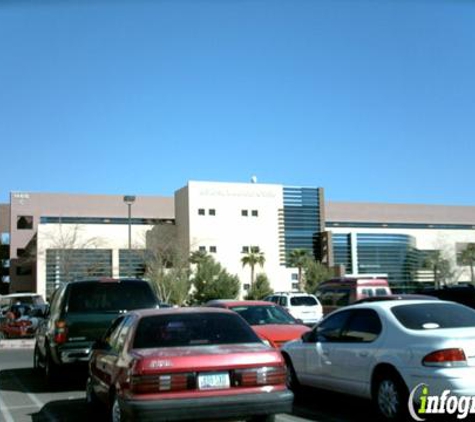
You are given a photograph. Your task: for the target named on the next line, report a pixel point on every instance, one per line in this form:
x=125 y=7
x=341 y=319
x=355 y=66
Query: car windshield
x=425 y=316
x=195 y=329
x=110 y=296
x=262 y=315
x=303 y=301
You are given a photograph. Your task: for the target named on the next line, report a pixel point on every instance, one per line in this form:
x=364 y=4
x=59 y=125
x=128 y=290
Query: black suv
x=80 y=313
x=464 y=294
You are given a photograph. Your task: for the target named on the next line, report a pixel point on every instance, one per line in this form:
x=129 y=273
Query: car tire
x=51 y=371
x=390 y=396
x=292 y=380
x=36 y=358
x=91 y=398
x=116 y=414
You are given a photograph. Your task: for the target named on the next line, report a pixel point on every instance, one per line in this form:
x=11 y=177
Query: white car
x=387 y=350
x=303 y=306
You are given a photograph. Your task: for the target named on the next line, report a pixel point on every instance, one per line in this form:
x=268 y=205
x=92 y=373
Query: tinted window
x=330 y=329
x=262 y=315
x=303 y=301
x=363 y=326
x=434 y=315
x=110 y=296
x=192 y=330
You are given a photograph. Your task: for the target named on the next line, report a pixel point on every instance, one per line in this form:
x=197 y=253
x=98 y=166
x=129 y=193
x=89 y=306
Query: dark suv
x=80 y=313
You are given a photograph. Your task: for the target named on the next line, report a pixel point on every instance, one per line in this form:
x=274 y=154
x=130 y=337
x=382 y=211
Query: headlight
x=267 y=342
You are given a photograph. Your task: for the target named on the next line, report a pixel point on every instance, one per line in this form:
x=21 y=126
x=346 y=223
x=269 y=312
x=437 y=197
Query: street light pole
x=129 y=200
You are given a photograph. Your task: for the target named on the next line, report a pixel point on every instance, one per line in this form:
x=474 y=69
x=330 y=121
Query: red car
x=186 y=363
x=271 y=322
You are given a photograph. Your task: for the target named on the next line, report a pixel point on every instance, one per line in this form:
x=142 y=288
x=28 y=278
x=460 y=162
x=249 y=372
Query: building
x=58 y=237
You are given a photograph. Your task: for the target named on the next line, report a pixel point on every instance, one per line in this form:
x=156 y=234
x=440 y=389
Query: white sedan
x=390 y=351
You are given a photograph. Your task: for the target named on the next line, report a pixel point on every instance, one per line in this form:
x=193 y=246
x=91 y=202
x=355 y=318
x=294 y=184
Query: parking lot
x=24 y=397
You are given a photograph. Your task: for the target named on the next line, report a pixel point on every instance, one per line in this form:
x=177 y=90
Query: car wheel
x=291 y=381
x=36 y=358
x=391 y=396
x=91 y=397
x=116 y=412
x=51 y=371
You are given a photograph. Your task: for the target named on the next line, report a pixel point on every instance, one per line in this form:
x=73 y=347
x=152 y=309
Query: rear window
x=192 y=330
x=110 y=296
x=303 y=301
x=263 y=315
x=433 y=316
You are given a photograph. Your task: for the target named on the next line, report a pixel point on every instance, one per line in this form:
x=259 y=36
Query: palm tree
x=252 y=259
x=298 y=258
x=467 y=256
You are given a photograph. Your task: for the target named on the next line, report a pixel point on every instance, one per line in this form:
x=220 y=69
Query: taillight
x=60 y=332
x=260 y=376
x=144 y=384
x=445 y=358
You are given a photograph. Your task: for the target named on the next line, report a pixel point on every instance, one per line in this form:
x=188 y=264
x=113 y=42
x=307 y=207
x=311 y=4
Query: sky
x=373 y=100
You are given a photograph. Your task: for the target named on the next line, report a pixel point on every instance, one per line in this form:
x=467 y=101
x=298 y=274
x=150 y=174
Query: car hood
x=280 y=333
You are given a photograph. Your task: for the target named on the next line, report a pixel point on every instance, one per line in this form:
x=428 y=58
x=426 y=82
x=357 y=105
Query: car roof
x=387 y=304
x=291 y=294
x=232 y=302
x=177 y=311
x=399 y=297
x=108 y=280
x=14 y=295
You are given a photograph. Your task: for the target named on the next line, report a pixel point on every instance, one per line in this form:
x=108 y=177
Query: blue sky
x=374 y=100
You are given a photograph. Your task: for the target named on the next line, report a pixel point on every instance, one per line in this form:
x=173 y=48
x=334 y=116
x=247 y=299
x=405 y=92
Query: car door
x=312 y=357
x=353 y=355
x=104 y=362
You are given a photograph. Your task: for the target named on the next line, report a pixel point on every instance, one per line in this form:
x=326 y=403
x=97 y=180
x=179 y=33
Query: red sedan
x=186 y=364
x=271 y=322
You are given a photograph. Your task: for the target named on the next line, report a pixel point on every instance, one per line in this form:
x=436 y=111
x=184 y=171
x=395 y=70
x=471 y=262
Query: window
x=212 y=249
x=244 y=213
x=245 y=249
x=247 y=286
x=201 y=211
x=295 y=286
x=254 y=213
x=20 y=252
x=364 y=326
x=24 y=270
x=295 y=276
x=330 y=329
x=211 y=211
x=202 y=248
x=255 y=249
x=24 y=222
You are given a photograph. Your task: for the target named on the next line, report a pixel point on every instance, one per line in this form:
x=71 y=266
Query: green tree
x=315 y=273
x=167 y=265
x=299 y=258
x=260 y=289
x=467 y=257
x=441 y=268
x=211 y=281
x=253 y=258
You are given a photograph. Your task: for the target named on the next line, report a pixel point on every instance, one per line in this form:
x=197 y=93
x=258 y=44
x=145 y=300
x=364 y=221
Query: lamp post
x=129 y=200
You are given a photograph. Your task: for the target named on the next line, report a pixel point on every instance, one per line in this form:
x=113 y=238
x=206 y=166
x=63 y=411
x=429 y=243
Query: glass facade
x=391 y=254
x=132 y=263
x=65 y=265
x=342 y=251
x=302 y=218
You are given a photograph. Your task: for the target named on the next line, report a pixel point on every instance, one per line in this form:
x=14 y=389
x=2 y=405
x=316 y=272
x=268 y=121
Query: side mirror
x=307 y=337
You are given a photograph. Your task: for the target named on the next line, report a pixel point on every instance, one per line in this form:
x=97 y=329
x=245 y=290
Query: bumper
x=222 y=407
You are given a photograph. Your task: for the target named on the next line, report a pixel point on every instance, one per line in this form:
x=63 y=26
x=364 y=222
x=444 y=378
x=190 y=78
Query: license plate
x=213 y=381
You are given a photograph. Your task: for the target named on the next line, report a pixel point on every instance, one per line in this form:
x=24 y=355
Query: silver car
x=395 y=352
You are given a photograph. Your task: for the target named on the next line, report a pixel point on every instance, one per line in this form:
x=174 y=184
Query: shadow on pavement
x=29 y=380
x=67 y=411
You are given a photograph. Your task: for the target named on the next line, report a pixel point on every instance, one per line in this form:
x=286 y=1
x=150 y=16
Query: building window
x=247 y=286
x=295 y=276
x=212 y=249
x=202 y=248
x=24 y=222
x=20 y=252
x=245 y=249
x=211 y=211
x=24 y=270
x=254 y=213
x=255 y=249
x=201 y=211
x=295 y=286
x=244 y=213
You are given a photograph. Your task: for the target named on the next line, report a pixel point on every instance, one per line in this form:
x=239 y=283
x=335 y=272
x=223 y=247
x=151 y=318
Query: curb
x=17 y=344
